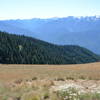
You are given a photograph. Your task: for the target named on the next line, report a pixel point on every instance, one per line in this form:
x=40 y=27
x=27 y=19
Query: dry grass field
x=85 y=71
x=45 y=82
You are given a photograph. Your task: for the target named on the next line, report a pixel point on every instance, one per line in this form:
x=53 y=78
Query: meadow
x=50 y=82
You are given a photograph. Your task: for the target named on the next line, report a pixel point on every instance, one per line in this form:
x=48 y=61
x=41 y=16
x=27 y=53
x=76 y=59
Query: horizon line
x=97 y=16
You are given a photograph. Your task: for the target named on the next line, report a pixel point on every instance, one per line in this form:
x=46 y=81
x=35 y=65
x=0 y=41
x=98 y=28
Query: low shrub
x=34 y=78
x=60 y=79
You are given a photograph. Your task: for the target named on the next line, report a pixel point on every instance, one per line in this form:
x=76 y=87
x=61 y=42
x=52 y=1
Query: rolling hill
x=18 y=49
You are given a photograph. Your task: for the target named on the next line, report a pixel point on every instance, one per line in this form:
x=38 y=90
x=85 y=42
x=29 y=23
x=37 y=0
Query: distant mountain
x=16 y=49
x=83 y=31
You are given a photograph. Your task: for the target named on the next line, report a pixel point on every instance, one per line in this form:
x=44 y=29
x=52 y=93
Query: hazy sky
x=14 y=9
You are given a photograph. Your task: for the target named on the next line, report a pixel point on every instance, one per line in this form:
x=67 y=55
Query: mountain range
x=82 y=31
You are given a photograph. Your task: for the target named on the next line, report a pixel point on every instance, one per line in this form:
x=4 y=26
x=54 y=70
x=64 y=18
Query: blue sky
x=24 y=9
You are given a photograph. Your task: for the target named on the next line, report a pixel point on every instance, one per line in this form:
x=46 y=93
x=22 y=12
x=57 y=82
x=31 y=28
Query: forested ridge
x=62 y=31
x=18 y=49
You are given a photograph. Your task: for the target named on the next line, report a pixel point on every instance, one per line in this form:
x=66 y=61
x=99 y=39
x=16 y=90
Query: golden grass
x=15 y=72
x=35 y=82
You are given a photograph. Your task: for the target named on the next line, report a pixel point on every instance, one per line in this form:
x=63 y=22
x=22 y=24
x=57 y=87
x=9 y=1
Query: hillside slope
x=16 y=49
